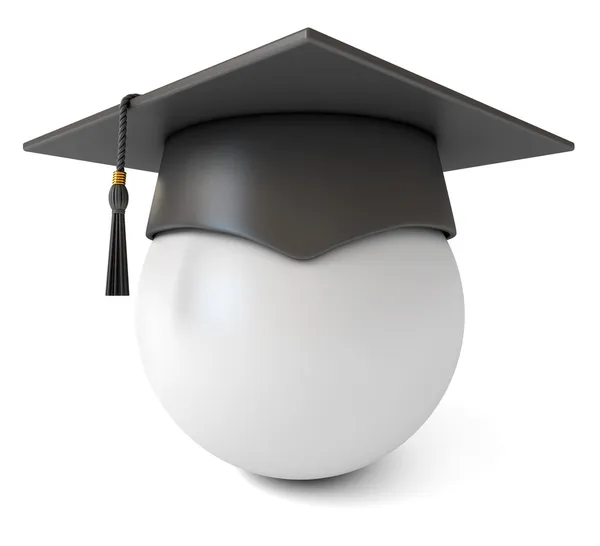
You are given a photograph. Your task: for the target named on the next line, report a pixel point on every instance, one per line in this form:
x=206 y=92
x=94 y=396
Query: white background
x=511 y=456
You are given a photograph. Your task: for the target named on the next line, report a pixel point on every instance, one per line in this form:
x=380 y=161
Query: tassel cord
x=117 y=277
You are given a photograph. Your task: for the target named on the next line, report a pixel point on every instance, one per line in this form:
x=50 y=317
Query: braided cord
x=122 y=138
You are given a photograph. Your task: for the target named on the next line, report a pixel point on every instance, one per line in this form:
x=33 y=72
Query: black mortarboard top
x=270 y=111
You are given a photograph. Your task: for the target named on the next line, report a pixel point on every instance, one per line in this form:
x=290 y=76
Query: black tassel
x=117 y=277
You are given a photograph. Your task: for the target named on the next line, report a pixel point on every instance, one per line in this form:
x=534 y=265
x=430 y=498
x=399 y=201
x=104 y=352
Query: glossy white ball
x=300 y=369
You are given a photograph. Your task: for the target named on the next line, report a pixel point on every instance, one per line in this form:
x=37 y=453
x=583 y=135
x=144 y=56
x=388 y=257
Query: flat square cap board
x=304 y=72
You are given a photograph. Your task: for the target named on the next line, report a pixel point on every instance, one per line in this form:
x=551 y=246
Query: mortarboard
x=300 y=145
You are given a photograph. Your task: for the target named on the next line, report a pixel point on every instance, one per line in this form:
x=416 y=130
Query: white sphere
x=300 y=369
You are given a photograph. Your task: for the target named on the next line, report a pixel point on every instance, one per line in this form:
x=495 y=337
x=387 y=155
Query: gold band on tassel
x=119 y=177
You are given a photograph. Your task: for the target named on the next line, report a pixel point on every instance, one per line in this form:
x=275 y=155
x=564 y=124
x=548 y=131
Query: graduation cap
x=301 y=145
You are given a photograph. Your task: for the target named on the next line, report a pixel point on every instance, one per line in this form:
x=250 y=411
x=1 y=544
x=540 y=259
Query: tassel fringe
x=117 y=277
